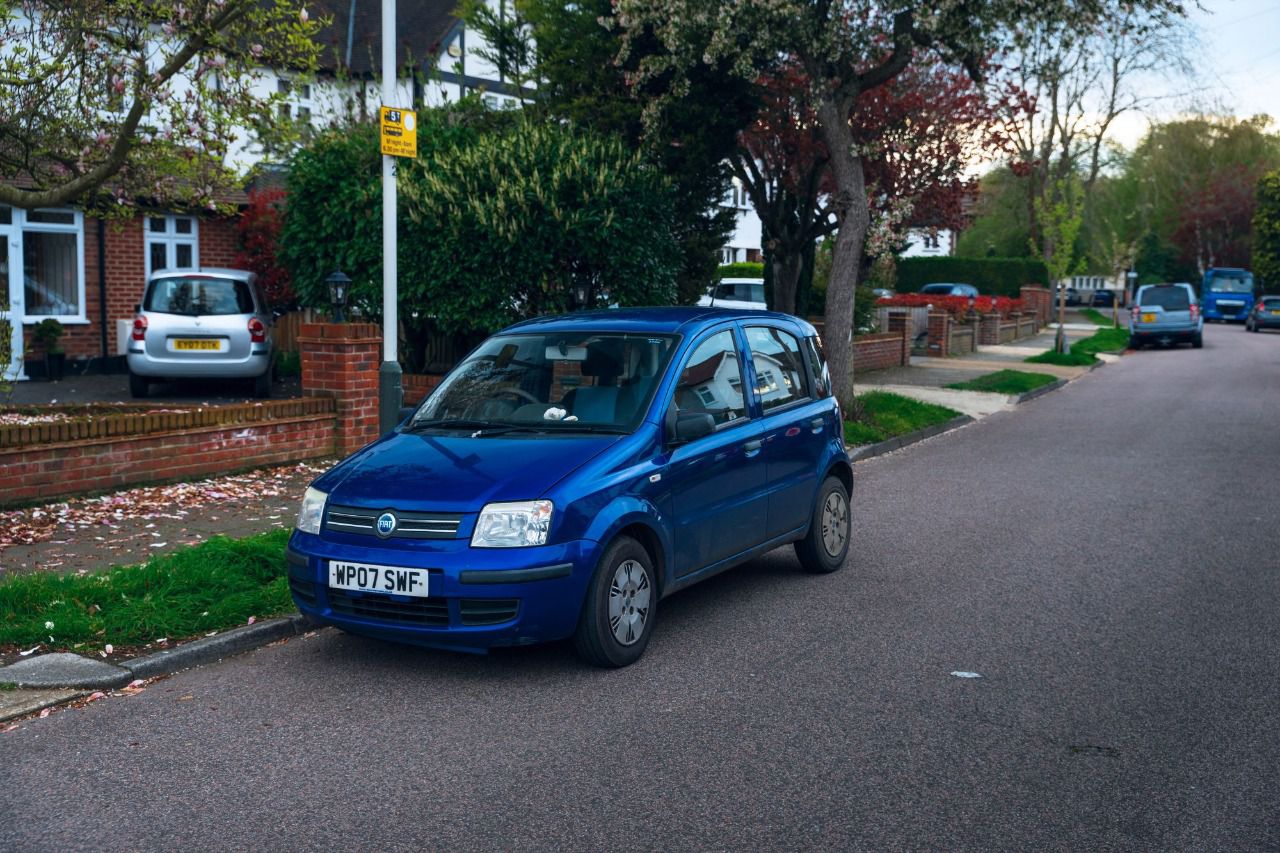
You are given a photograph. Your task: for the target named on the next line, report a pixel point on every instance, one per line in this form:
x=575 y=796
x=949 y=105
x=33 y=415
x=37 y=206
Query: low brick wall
x=963 y=339
x=881 y=350
x=117 y=451
x=418 y=385
x=1008 y=333
x=1027 y=326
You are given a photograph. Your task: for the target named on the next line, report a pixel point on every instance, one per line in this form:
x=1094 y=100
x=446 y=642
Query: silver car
x=201 y=324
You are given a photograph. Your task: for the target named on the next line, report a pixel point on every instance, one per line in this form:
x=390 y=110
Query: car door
x=716 y=482
x=794 y=425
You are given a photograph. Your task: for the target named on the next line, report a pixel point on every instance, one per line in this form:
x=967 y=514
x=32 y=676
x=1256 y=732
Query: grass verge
x=1006 y=382
x=886 y=415
x=212 y=586
x=1085 y=352
x=1096 y=317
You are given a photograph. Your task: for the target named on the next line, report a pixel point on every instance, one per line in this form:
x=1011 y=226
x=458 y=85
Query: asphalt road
x=1128 y=697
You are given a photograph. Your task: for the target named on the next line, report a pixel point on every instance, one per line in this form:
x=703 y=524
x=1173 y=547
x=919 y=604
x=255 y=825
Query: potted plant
x=48 y=333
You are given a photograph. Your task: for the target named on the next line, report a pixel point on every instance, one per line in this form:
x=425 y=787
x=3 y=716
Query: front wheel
x=824 y=547
x=622 y=600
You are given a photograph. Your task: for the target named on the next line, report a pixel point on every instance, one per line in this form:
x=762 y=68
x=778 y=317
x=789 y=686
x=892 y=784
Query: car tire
x=262 y=386
x=139 y=386
x=621 y=607
x=825 y=546
x=1197 y=342
x=1135 y=343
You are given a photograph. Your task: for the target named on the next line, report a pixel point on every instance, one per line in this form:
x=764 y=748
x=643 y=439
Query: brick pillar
x=939 y=334
x=906 y=345
x=989 y=330
x=341 y=360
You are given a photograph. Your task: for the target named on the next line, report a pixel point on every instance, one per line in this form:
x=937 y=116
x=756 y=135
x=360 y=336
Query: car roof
x=220 y=272
x=673 y=320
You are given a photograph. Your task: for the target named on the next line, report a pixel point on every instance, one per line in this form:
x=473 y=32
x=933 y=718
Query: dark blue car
x=574 y=470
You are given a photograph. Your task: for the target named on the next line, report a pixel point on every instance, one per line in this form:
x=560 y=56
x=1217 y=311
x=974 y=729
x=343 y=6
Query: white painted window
x=173 y=242
x=52 y=247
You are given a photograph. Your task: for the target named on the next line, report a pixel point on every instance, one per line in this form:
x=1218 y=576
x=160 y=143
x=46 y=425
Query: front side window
x=780 y=370
x=563 y=381
x=711 y=381
x=172 y=243
x=195 y=297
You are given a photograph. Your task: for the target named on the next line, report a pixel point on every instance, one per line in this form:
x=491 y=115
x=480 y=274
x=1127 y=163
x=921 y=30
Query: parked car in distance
x=739 y=293
x=573 y=471
x=201 y=324
x=949 y=289
x=1072 y=295
x=882 y=292
x=1265 y=314
x=1166 y=314
x=1103 y=299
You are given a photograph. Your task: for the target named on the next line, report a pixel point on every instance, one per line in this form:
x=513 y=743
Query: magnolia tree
x=106 y=101
x=845 y=48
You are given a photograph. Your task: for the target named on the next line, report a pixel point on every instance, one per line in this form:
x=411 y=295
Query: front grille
x=372 y=605
x=303 y=591
x=487 y=611
x=409 y=525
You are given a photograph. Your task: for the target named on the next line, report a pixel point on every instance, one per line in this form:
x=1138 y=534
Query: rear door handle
x=817 y=424
x=751 y=448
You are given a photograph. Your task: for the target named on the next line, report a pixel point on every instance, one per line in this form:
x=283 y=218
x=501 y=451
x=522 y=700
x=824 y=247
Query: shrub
x=741 y=269
x=259 y=232
x=957 y=306
x=992 y=276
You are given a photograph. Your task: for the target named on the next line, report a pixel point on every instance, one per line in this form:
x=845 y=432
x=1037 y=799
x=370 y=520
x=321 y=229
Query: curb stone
x=74 y=671
x=1038 y=392
x=867 y=451
x=22 y=703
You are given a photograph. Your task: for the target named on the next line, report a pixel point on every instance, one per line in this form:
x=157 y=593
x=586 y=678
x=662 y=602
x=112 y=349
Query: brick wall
x=341 y=361
x=50 y=465
x=1039 y=301
x=939 y=334
x=962 y=339
x=418 y=385
x=989 y=330
x=878 y=351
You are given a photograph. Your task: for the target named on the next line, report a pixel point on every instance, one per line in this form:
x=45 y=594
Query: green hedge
x=742 y=269
x=992 y=276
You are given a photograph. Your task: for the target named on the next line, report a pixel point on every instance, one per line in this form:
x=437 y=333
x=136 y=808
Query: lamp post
x=339 y=287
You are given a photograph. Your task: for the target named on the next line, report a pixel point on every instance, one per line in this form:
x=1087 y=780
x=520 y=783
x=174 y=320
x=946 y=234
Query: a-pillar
x=341 y=360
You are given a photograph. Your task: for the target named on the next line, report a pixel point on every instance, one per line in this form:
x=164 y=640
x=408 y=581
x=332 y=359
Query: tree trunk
x=786 y=280
x=850 y=205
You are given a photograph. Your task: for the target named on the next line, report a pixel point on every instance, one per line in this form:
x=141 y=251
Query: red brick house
x=88 y=274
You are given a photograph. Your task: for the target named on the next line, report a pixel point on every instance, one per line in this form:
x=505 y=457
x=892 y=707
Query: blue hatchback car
x=574 y=470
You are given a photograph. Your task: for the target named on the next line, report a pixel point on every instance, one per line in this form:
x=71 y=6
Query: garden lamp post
x=339 y=287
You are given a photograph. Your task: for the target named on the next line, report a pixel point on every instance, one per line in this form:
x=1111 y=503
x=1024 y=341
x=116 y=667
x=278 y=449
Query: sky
x=1237 y=63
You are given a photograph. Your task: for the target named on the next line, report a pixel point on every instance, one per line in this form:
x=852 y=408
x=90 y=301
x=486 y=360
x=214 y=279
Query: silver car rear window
x=1168 y=298
x=199 y=296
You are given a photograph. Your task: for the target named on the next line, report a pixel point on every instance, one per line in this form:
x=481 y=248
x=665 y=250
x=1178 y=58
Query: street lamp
x=339 y=286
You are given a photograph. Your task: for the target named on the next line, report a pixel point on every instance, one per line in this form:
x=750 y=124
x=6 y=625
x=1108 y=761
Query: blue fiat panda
x=571 y=472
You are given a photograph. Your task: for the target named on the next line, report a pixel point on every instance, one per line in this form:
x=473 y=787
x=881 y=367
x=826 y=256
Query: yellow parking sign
x=399 y=132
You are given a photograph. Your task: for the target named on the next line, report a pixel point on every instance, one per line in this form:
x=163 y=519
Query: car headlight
x=512 y=525
x=312 y=511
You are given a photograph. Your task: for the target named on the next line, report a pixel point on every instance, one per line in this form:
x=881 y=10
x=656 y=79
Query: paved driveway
x=1127 y=697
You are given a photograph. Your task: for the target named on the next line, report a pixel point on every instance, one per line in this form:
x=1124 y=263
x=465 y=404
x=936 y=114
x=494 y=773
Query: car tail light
x=257 y=331
x=1134 y=312
x=140 y=327
x=1195 y=311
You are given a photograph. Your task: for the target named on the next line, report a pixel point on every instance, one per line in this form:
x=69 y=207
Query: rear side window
x=1168 y=298
x=819 y=378
x=199 y=296
x=780 y=371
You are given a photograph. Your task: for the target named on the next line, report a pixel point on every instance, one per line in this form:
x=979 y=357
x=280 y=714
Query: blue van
x=571 y=472
x=1226 y=294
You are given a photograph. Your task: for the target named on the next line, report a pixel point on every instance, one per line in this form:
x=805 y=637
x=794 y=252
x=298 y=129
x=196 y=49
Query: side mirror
x=691 y=426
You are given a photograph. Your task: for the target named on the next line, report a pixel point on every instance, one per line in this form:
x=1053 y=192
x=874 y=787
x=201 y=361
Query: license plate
x=1277 y=313
x=212 y=346
x=391 y=580
x=1148 y=318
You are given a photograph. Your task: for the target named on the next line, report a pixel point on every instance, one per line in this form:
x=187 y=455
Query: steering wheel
x=518 y=393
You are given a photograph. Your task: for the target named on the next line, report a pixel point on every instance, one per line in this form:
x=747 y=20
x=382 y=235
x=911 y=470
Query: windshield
x=199 y=296
x=1239 y=283
x=1168 y=297
x=570 y=381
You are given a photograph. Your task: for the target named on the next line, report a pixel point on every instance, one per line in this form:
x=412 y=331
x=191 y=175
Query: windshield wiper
x=450 y=423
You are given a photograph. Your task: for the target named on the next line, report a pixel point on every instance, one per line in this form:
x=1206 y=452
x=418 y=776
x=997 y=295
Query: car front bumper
x=479 y=597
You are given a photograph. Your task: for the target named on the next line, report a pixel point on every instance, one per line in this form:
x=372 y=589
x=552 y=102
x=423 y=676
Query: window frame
x=171 y=239
x=20 y=224
x=806 y=391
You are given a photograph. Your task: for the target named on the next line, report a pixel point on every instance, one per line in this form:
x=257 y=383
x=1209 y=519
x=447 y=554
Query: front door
x=11 y=304
x=717 y=482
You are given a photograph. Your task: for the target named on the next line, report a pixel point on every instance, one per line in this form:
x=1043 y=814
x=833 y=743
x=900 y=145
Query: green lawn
x=1006 y=382
x=1093 y=315
x=212 y=586
x=886 y=415
x=1084 y=352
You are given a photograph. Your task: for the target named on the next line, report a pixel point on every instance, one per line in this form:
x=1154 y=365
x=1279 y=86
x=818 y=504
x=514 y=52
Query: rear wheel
x=622 y=600
x=824 y=547
x=139 y=386
x=1135 y=342
x=1198 y=341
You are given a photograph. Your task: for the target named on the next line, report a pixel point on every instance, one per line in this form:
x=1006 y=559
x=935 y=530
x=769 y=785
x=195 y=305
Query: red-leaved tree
x=259 y=233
